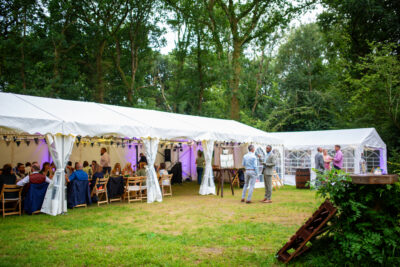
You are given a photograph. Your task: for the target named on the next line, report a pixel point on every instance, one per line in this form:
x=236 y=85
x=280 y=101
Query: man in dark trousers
x=319 y=160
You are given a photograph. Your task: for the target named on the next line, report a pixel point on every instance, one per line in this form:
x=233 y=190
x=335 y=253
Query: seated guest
x=87 y=168
x=46 y=169
x=78 y=189
x=78 y=174
x=7 y=177
x=128 y=171
x=20 y=171
x=162 y=171
x=117 y=169
x=53 y=168
x=35 y=177
x=69 y=170
x=142 y=158
x=37 y=183
x=142 y=169
x=28 y=168
x=97 y=173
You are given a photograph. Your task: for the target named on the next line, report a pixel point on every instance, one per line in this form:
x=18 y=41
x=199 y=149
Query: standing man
x=338 y=159
x=250 y=164
x=105 y=161
x=268 y=170
x=319 y=160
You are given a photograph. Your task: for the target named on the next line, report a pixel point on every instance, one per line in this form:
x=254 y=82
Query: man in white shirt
x=35 y=177
x=105 y=161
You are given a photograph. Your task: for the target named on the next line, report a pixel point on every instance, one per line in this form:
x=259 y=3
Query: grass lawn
x=185 y=230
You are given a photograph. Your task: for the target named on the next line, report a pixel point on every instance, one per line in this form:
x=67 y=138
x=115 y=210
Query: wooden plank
x=374 y=179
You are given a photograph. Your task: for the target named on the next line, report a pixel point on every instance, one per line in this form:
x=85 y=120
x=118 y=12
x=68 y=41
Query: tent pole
x=62 y=178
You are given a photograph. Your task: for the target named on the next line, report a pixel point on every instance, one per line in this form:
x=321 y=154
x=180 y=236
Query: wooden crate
x=313 y=227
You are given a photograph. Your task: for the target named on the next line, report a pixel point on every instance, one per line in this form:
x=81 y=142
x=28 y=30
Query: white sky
x=308 y=17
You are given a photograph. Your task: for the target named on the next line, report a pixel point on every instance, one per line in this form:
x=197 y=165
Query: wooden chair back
x=165 y=184
x=100 y=190
x=133 y=189
x=16 y=209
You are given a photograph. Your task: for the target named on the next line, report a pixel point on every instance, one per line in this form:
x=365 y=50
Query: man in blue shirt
x=78 y=174
x=250 y=164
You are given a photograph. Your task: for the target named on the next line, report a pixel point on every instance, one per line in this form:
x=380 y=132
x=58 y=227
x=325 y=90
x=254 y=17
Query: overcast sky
x=308 y=17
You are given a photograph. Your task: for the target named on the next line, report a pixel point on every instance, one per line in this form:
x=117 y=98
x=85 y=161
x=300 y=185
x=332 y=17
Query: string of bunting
x=111 y=141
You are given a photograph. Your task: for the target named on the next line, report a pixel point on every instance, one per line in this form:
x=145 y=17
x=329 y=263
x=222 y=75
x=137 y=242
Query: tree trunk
x=259 y=82
x=99 y=73
x=235 y=108
x=134 y=63
x=200 y=72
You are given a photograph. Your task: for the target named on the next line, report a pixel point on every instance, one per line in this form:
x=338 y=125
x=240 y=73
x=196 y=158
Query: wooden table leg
x=222 y=183
x=230 y=181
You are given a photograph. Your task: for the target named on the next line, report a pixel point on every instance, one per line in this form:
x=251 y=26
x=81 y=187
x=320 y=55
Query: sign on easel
x=226 y=161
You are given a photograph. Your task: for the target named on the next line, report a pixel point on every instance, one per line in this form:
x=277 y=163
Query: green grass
x=184 y=230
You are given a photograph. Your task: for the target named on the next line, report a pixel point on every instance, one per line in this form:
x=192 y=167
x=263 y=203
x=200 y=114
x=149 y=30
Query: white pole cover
x=60 y=148
x=153 y=188
x=207 y=183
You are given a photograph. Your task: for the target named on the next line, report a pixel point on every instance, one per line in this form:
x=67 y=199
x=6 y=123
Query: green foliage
x=394 y=161
x=366 y=230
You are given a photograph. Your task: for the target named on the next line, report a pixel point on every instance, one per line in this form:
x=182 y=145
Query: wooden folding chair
x=100 y=190
x=16 y=209
x=276 y=181
x=143 y=187
x=133 y=189
x=165 y=183
x=236 y=180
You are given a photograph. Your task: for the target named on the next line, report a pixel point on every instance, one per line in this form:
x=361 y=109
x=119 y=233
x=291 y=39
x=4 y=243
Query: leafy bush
x=394 y=161
x=366 y=230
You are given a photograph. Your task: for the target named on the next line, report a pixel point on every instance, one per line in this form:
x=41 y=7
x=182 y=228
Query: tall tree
x=246 y=20
x=134 y=36
x=102 y=19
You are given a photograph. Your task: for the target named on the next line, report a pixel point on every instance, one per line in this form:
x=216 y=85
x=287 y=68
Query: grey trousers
x=249 y=181
x=268 y=186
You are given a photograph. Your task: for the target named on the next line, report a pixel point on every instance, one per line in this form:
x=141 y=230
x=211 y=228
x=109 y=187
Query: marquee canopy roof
x=39 y=115
x=367 y=137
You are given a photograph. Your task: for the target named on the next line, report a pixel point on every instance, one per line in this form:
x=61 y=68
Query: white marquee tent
x=301 y=147
x=60 y=121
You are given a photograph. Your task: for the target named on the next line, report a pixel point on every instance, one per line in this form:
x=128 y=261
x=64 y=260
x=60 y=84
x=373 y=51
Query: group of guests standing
x=250 y=163
x=323 y=160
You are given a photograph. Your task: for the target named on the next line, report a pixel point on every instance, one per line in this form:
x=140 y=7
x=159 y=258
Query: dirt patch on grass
x=213 y=251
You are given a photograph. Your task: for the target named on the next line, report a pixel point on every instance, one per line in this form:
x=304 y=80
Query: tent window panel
x=348 y=160
x=297 y=159
x=278 y=166
x=372 y=158
x=260 y=152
